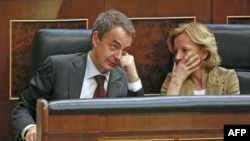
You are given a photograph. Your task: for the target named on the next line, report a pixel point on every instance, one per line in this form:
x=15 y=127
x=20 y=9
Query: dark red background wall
x=205 y=11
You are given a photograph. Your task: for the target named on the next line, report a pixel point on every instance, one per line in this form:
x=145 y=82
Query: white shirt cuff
x=135 y=86
x=25 y=129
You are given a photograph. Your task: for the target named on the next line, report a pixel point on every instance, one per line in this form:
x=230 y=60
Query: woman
x=196 y=63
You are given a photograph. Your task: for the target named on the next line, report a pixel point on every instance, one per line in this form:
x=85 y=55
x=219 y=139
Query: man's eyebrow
x=115 y=41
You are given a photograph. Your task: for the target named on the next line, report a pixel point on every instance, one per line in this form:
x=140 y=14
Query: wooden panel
x=201 y=139
x=223 y=8
x=159 y=118
x=138 y=122
x=238 y=19
x=138 y=140
x=163 y=8
x=145 y=125
x=150 y=49
x=81 y=9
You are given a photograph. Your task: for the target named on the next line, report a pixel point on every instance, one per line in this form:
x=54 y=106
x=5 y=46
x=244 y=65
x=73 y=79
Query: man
x=111 y=37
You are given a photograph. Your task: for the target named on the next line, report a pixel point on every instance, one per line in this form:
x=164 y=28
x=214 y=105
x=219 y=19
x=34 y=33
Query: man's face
x=107 y=51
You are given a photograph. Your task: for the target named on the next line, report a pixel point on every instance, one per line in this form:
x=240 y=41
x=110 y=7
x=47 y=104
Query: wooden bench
x=180 y=118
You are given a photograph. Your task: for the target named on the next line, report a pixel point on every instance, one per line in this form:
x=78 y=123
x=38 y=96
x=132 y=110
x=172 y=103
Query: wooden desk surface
x=158 y=125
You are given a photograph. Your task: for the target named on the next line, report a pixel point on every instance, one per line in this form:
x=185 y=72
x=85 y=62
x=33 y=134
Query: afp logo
x=237 y=132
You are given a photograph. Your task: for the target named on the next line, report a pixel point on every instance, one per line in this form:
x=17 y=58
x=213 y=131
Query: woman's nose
x=178 y=56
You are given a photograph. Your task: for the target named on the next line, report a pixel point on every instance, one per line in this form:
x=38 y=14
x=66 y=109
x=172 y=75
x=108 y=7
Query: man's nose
x=118 y=54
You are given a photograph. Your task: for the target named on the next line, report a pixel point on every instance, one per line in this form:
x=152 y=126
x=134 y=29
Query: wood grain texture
x=163 y=8
x=223 y=8
x=175 y=126
x=207 y=11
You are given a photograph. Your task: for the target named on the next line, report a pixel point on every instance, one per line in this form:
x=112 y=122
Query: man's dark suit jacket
x=61 y=77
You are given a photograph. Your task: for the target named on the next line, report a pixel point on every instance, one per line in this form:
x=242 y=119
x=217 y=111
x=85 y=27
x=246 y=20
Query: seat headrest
x=58 y=41
x=233 y=43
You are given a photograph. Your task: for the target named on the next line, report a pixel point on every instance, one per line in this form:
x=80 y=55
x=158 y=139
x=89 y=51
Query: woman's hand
x=183 y=68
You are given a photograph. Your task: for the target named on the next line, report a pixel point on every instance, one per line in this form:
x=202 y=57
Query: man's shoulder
x=75 y=58
x=65 y=56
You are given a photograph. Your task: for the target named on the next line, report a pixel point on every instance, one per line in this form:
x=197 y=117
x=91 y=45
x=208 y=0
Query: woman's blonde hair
x=201 y=36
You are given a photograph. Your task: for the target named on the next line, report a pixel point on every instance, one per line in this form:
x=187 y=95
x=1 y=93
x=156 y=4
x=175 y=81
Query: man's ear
x=95 y=38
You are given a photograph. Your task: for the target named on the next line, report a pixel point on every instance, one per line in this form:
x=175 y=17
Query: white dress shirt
x=89 y=84
x=200 y=92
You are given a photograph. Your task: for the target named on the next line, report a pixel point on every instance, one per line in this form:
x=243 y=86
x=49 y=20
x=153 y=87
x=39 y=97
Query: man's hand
x=31 y=134
x=128 y=64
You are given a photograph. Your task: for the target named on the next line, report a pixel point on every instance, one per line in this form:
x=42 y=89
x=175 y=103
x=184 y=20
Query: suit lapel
x=115 y=85
x=215 y=83
x=186 y=88
x=76 y=76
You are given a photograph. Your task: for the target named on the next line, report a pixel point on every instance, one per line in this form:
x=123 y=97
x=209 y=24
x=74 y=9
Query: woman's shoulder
x=220 y=74
x=223 y=71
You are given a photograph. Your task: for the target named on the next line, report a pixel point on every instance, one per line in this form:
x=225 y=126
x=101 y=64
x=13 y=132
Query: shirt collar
x=91 y=70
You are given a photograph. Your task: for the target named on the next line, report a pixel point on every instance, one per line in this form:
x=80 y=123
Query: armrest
x=147 y=104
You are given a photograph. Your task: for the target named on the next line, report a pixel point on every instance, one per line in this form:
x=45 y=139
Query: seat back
x=58 y=41
x=233 y=43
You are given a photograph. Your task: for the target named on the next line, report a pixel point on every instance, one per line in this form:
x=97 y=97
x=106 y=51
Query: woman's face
x=184 y=46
